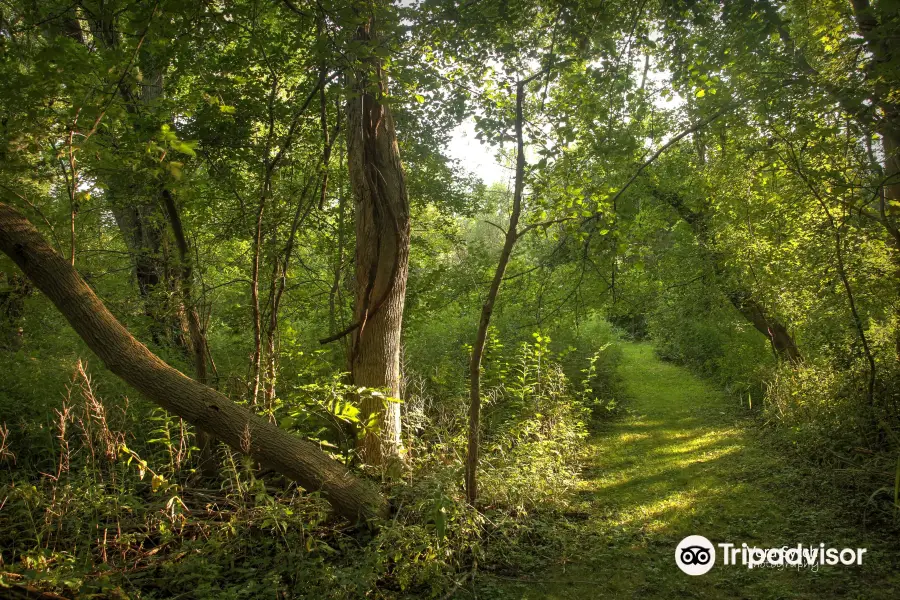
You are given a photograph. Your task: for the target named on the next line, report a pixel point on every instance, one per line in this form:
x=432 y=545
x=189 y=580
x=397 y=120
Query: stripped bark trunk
x=382 y=251
x=198 y=404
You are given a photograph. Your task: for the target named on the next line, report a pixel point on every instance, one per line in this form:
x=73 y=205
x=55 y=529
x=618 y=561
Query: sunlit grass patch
x=683 y=462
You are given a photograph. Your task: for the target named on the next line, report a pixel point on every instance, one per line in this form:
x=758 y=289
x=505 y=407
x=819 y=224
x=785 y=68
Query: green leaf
x=184 y=147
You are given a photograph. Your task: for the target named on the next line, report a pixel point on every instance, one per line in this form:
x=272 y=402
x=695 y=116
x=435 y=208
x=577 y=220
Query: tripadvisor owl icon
x=695 y=555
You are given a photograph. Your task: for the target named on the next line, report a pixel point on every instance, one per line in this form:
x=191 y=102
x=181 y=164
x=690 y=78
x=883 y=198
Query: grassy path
x=684 y=461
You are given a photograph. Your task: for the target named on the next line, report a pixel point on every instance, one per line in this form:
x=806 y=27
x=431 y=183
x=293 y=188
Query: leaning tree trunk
x=382 y=252
x=198 y=404
x=756 y=314
x=740 y=297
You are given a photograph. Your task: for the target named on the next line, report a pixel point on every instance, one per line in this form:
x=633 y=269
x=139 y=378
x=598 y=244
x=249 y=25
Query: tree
x=198 y=404
x=382 y=248
x=737 y=293
x=512 y=235
x=147 y=212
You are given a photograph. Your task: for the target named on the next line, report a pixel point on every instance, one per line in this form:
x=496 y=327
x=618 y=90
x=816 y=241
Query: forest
x=490 y=299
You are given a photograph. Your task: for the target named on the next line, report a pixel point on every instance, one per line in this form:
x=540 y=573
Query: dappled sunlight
x=398 y=299
x=633 y=437
x=681 y=463
x=663 y=478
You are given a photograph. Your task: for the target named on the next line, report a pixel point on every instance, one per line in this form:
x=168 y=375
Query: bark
x=335 y=291
x=256 y=358
x=327 y=142
x=271 y=337
x=487 y=309
x=854 y=312
x=740 y=297
x=837 y=230
x=382 y=251
x=185 y=276
x=198 y=404
x=141 y=216
x=72 y=184
x=282 y=263
x=757 y=315
x=142 y=231
x=138 y=205
x=198 y=343
x=269 y=166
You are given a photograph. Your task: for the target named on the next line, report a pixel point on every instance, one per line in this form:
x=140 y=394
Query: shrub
x=822 y=412
x=124 y=513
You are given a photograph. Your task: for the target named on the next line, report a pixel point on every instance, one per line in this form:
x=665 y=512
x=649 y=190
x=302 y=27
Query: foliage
x=699 y=175
x=109 y=517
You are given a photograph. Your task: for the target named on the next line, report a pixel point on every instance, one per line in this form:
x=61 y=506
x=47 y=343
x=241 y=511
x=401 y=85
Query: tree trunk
x=13 y=290
x=751 y=309
x=382 y=252
x=138 y=205
x=487 y=309
x=140 y=226
x=757 y=315
x=278 y=275
x=256 y=358
x=198 y=404
x=174 y=322
x=334 y=294
x=198 y=344
x=879 y=43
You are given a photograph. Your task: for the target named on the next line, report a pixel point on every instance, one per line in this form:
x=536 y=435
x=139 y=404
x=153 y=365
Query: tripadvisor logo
x=696 y=555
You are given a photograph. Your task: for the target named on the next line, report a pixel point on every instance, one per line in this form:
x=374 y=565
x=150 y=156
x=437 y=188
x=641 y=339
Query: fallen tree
x=203 y=407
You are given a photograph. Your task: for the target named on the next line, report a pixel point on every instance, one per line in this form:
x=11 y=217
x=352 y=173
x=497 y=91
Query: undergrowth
x=819 y=411
x=822 y=414
x=107 y=500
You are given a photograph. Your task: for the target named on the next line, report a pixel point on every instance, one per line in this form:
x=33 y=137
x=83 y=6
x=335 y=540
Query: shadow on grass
x=682 y=462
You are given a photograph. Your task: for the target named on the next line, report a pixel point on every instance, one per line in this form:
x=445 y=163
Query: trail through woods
x=685 y=460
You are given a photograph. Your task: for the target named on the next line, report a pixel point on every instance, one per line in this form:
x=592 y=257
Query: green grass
x=686 y=460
